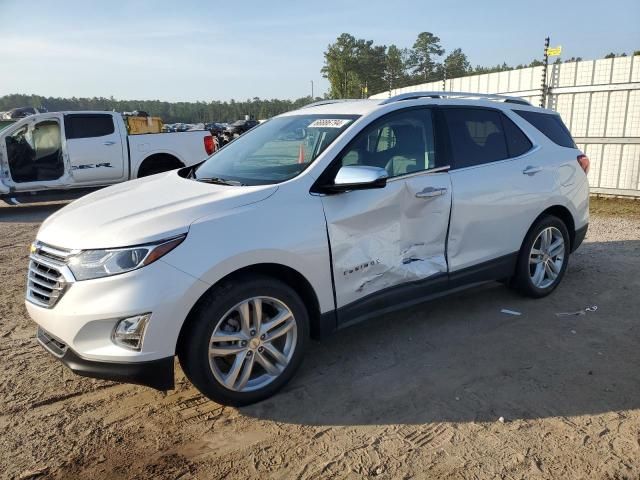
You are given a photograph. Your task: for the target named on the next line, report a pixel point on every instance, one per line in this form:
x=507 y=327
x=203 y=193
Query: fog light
x=129 y=332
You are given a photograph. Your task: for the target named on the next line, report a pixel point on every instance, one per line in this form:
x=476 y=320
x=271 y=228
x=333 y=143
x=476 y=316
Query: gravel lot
x=416 y=394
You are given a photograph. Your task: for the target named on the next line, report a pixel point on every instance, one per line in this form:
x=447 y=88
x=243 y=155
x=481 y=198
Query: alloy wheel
x=547 y=257
x=252 y=344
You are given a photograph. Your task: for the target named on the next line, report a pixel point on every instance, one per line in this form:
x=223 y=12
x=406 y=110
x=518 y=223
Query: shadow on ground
x=460 y=359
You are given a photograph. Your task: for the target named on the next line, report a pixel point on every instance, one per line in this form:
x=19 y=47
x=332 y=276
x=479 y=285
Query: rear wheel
x=544 y=257
x=246 y=340
x=157 y=164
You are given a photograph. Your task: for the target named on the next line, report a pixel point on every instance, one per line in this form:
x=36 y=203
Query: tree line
x=170 y=112
x=357 y=68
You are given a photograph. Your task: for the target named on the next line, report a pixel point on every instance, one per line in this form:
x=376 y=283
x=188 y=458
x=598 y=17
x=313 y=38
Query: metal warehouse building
x=599 y=100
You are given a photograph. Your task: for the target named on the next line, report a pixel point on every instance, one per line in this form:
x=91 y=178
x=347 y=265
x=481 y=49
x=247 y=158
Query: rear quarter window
x=551 y=125
x=517 y=142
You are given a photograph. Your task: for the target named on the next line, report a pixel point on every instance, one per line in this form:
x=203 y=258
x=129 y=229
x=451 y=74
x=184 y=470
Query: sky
x=184 y=50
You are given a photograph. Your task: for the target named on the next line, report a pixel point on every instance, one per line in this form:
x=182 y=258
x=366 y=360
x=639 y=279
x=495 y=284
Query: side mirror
x=358 y=177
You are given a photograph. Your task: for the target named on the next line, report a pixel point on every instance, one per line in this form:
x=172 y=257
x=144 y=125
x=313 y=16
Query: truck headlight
x=90 y=264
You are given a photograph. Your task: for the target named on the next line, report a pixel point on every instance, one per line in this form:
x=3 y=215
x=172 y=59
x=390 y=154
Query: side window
x=551 y=125
x=401 y=143
x=477 y=136
x=88 y=126
x=517 y=142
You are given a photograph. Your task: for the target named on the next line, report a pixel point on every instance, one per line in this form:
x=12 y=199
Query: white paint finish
x=86 y=315
x=286 y=229
x=187 y=147
x=141 y=211
x=400 y=237
x=487 y=222
x=88 y=158
x=386 y=237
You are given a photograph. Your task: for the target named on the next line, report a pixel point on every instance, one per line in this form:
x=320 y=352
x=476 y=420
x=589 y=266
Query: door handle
x=430 y=192
x=109 y=143
x=531 y=170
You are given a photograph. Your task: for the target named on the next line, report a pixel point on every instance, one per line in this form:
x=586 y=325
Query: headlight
x=90 y=264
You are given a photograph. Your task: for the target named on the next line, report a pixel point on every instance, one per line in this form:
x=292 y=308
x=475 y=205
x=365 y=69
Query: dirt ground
x=416 y=394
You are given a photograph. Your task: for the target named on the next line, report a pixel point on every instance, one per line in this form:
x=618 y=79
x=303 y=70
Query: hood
x=141 y=211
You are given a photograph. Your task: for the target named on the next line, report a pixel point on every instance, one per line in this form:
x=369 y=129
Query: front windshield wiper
x=220 y=181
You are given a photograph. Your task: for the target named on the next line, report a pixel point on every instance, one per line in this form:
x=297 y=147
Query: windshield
x=274 y=151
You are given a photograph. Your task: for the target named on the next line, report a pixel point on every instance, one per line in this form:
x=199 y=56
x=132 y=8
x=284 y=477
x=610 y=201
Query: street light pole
x=312 y=97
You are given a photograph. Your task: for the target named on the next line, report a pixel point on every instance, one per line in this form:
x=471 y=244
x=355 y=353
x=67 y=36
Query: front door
x=34 y=153
x=95 y=147
x=383 y=239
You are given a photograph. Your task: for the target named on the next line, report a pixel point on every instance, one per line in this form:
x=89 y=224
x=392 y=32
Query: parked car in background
x=235 y=129
x=315 y=220
x=51 y=155
x=216 y=129
x=22 y=112
x=241 y=126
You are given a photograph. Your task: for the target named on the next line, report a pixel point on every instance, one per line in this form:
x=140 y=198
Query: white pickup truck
x=57 y=155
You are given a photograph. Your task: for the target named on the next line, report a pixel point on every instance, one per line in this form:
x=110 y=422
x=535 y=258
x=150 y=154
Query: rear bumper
x=158 y=374
x=579 y=237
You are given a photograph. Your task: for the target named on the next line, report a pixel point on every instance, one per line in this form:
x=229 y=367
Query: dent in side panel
x=381 y=238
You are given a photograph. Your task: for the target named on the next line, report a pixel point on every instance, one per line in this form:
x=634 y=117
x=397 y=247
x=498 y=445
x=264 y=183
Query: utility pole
x=312 y=97
x=444 y=75
x=543 y=85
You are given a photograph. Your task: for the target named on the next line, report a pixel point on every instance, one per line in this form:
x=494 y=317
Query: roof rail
x=322 y=102
x=329 y=102
x=461 y=95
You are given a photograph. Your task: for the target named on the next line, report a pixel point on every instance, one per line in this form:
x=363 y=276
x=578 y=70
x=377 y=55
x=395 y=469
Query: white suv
x=312 y=221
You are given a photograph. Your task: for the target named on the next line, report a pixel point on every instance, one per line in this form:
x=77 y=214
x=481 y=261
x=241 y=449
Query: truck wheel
x=157 y=164
x=543 y=258
x=245 y=341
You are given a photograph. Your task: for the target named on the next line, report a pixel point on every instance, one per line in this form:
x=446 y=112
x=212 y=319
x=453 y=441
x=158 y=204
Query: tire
x=158 y=163
x=219 y=312
x=538 y=273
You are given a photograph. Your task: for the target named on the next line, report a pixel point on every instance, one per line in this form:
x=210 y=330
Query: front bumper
x=158 y=374
x=85 y=317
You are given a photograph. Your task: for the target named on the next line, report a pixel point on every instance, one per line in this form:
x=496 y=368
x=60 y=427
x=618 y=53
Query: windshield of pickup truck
x=274 y=151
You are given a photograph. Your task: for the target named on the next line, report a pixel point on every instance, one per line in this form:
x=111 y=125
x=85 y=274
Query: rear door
x=95 y=147
x=499 y=183
x=384 y=239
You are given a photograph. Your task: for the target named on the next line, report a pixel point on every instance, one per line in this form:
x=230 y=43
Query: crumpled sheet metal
x=373 y=250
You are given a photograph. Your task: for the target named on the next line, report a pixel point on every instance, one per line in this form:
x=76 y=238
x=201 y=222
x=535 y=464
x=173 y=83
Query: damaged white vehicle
x=312 y=221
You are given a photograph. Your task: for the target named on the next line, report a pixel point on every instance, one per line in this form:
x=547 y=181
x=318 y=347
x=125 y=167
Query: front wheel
x=245 y=341
x=544 y=257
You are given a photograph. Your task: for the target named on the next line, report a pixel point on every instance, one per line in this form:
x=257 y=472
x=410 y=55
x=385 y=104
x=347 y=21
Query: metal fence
x=599 y=100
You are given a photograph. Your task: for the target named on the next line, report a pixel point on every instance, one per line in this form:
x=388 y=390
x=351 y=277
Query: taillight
x=209 y=145
x=584 y=162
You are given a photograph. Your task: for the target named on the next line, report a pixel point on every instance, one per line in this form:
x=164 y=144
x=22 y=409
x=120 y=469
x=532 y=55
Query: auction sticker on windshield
x=329 y=123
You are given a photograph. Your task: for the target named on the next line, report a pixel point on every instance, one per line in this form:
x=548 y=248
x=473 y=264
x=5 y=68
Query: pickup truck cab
x=50 y=154
x=310 y=222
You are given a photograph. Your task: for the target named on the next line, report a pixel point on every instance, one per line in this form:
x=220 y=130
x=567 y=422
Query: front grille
x=46 y=284
x=55 y=346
